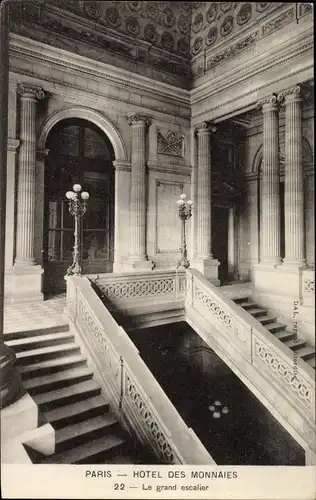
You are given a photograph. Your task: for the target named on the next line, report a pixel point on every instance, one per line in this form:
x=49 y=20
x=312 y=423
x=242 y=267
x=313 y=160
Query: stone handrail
x=254 y=350
x=128 y=287
x=134 y=394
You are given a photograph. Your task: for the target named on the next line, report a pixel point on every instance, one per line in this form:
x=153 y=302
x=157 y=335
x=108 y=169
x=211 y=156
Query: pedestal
x=209 y=269
x=27 y=284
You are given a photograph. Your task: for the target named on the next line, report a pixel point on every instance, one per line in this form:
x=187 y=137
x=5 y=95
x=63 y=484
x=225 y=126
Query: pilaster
x=204 y=261
x=138 y=259
x=121 y=213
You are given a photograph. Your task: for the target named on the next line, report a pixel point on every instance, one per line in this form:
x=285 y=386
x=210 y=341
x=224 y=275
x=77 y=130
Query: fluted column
x=10 y=382
x=25 y=255
x=137 y=252
x=121 y=213
x=204 y=260
x=270 y=186
x=293 y=178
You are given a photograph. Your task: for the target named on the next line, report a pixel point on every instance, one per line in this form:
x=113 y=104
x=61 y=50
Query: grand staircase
x=57 y=376
x=302 y=348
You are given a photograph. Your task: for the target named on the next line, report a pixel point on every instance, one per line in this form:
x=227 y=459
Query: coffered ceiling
x=168 y=37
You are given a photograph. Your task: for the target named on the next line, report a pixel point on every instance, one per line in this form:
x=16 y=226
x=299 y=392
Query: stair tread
x=294 y=343
x=284 y=334
x=306 y=350
x=84 y=427
x=49 y=349
x=86 y=450
x=40 y=338
x=51 y=363
x=72 y=409
x=57 y=376
x=256 y=310
x=275 y=324
x=267 y=318
x=311 y=362
x=78 y=388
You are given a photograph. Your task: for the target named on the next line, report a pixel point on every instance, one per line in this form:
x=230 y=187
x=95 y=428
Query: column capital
x=136 y=119
x=205 y=128
x=29 y=92
x=292 y=94
x=268 y=103
x=41 y=154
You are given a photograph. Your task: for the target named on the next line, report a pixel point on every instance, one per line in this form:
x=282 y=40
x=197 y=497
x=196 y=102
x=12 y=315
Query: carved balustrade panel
x=286 y=374
x=148 y=422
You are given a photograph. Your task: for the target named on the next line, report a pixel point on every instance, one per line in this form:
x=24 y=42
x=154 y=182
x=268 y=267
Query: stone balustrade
x=134 y=394
x=283 y=383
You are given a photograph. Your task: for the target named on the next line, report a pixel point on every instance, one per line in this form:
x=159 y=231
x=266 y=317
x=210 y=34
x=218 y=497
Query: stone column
x=121 y=213
x=204 y=260
x=270 y=192
x=10 y=383
x=293 y=179
x=137 y=254
x=27 y=285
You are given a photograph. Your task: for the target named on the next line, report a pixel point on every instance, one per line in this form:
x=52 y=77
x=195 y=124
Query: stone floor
x=31 y=316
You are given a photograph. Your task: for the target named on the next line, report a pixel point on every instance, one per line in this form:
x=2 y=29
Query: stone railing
x=120 y=288
x=134 y=394
x=283 y=381
x=308 y=287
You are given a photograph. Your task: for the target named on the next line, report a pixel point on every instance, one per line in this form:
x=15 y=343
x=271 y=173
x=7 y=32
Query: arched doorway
x=79 y=152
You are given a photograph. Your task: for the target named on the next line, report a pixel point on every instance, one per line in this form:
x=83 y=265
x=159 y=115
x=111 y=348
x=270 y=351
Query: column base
x=208 y=267
x=294 y=264
x=270 y=263
x=132 y=264
x=26 y=284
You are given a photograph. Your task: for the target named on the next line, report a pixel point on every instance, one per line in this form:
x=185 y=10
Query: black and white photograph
x=157 y=283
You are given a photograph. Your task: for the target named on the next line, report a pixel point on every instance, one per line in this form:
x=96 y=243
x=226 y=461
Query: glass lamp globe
x=190 y=203
x=180 y=203
x=70 y=195
x=183 y=196
x=85 y=195
x=76 y=188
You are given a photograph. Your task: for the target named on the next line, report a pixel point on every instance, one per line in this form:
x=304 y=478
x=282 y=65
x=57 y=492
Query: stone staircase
x=57 y=376
x=303 y=349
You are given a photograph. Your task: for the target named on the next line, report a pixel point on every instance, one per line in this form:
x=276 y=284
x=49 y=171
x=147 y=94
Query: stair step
x=52 y=399
x=57 y=380
x=87 y=452
x=64 y=327
x=295 y=344
x=239 y=300
x=247 y=304
x=40 y=341
x=284 y=335
x=265 y=320
x=51 y=366
x=311 y=362
x=77 y=412
x=306 y=352
x=46 y=353
x=275 y=327
x=74 y=435
x=256 y=311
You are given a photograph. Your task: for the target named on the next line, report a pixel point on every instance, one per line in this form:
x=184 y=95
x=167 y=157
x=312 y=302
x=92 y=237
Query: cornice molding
x=268 y=60
x=67 y=61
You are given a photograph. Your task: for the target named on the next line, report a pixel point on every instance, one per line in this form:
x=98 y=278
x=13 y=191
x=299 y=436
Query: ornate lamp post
x=185 y=212
x=77 y=208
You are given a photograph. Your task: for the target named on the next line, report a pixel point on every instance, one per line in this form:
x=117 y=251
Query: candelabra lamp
x=77 y=200
x=185 y=213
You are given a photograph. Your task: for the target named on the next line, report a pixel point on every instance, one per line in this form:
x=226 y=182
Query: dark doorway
x=220 y=241
x=79 y=153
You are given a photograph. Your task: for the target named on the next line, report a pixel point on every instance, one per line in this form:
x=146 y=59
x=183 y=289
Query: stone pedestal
x=294 y=181
x=270 y=185
x=27 y=282
x=138 y=259
x=204 y=261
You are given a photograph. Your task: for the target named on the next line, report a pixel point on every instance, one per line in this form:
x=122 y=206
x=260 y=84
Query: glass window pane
x=95 y=245
x=67 y=245
x=54 y=245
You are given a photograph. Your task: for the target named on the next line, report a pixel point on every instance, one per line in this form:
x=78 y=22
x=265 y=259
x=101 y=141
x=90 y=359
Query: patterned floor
x=30 y=316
